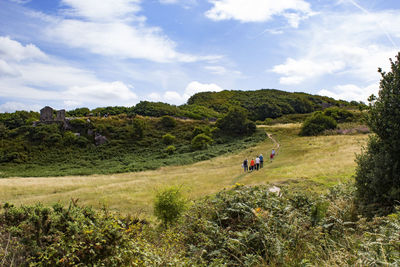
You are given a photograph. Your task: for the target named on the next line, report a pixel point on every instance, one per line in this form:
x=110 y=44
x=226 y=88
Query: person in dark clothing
x=246 y=165
x=261 y=161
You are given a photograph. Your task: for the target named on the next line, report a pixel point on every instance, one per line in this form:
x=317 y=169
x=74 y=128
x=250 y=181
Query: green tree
x=235 y=122
x=378 y=171
x=201 y=141
x=168 y=121
x=168 y=139
x=169 y=204
x=317 y=123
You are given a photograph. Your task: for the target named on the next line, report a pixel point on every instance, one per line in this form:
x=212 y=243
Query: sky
x=91 y=53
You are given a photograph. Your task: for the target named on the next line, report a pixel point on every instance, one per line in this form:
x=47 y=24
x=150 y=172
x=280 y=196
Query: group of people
x=257 y=163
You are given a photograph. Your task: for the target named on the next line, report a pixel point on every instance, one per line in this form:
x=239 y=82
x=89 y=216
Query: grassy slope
x=314 y=161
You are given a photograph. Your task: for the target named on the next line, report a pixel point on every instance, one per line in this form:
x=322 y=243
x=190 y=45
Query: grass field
x=310 y=162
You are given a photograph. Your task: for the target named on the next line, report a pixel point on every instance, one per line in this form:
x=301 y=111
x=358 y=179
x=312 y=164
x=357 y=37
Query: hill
x=266 y=103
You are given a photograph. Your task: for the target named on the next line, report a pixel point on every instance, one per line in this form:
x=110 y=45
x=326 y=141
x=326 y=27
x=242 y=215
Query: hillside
x=309 y=163
x=146 y=136
x=112 y=144
x=266 y=103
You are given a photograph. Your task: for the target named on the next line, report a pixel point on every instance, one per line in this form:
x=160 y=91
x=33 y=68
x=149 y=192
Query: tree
x=235 y=122
x=317 y=123
x=378 y=170
x=201 y=141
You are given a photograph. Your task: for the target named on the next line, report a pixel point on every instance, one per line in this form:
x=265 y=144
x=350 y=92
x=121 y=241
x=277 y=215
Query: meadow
x=306 y=163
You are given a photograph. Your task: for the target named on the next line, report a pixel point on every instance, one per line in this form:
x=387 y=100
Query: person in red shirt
x=252 y=164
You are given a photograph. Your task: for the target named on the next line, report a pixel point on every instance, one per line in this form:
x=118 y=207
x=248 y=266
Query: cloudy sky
x=91 y=53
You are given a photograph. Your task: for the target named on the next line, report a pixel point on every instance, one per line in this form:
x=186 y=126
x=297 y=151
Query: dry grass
x=324 y=160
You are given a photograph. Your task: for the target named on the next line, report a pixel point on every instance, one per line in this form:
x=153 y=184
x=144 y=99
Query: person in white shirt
x=257 y=163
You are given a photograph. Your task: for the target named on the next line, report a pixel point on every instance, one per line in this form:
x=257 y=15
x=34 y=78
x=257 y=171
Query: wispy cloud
x=27 y=73
x=260 y=10
x=115 y=28
x=347 y=45
x=192 y=88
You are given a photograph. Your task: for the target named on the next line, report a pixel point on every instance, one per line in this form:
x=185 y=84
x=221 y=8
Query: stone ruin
x=46 y=115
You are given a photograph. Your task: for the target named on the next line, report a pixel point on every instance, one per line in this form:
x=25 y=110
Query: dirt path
x=275 y=142
x=244 y=174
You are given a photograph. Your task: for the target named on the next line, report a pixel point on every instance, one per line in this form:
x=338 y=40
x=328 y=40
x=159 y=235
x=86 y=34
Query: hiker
x=257 y=163
x=245 y=165
x=261 y=161
x=252 y=165
x=272 y=154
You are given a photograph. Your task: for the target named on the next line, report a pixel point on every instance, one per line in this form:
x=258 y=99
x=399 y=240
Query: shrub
x=316 y=124
x=378 y=171
x=167 y=122
x=201 y=141
x=168 y=139
x=138 y=128
x=339 y=114
x=169 y=204
x=235 y=122
x=71 y=236
x=69 y=138
x=170 y=149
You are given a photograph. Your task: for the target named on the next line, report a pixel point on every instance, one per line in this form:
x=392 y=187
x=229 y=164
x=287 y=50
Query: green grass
x=309 y=163
x=121 y=155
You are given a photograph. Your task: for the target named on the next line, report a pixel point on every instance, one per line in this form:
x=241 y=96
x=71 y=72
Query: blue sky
x=90 y=53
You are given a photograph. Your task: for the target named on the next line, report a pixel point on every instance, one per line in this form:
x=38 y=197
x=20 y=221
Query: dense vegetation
x=259 y=105
x=131 y=144
x=323 y=121
x=266 y=103
x=378 y=173
x=242 y=226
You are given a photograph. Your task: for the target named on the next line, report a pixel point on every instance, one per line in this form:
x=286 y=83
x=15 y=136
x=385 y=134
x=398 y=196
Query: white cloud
x=184 y=3
x=347 y=45
x=197 y=87
x=351 y=92
x=259 y=10
x=13 y=106
x=114 y=28
x=7 y=70
x=120 y=40
x=220 y=70
x=192 y=88
x=174 y=97
x=26 y=76
x=154 y=97
x=102 y=10
x=104 y=94
x=13 y=50
x=169 y=1
x=296 y=71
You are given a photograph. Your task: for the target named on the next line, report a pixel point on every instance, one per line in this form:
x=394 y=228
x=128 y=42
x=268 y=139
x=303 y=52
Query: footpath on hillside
x=237 y=178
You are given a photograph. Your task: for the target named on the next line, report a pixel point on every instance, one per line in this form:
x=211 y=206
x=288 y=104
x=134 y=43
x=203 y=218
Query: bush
x=168 y=122
x=168 y=139
x=201 y=141
x=378 y=171
x=235 y=122
x=339 y=114
x=138 y=128
x=169 y=204
x=316 y=124
x=71 y=236
x=170 y=150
